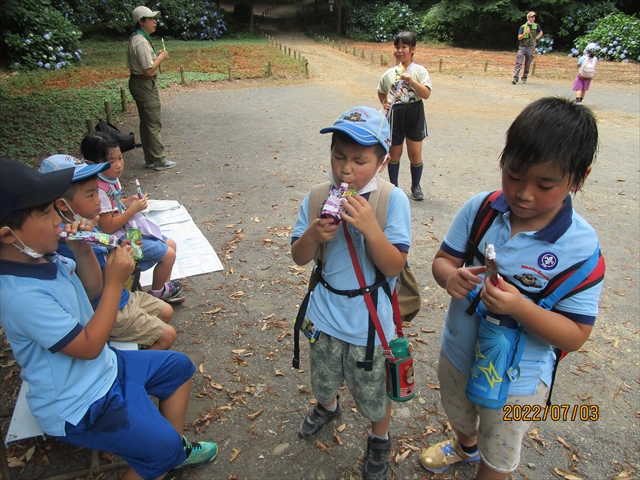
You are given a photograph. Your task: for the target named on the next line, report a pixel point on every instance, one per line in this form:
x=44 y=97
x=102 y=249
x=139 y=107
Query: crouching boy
x=81 y=391
x=359 y=151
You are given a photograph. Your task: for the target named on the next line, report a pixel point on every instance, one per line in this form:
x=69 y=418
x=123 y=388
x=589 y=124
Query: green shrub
x=381 y=23
x=38 y=36
x=618 y=36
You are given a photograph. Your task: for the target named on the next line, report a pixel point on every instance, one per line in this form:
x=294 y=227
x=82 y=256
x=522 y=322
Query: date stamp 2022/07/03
x=556 y=413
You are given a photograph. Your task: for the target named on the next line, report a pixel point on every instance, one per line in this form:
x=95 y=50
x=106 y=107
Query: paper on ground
x=195 y=255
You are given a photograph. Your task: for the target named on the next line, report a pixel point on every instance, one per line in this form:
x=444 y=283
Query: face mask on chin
x=76 y=217
x=25 y=248
x=368 y=188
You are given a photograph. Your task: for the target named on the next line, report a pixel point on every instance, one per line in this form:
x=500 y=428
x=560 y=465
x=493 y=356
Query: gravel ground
x=247 y=156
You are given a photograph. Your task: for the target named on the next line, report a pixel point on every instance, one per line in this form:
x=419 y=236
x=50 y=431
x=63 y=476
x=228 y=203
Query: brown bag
x=406 y=284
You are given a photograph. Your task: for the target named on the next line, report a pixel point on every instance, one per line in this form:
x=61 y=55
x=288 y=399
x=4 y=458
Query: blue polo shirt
x=43 y=307
x=529 y=260
x=337 y=315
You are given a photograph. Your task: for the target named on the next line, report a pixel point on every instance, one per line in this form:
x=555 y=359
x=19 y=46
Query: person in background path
x=143 y=61
x=528 y=35
x=586 y=70
x=401 y=91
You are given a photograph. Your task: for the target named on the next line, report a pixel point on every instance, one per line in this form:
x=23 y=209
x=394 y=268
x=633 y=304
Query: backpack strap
x=484 y=218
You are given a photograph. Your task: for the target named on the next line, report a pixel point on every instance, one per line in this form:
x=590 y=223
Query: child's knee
x=169 y=256
x=171 y=243
x=166 y=314
x=167 y=338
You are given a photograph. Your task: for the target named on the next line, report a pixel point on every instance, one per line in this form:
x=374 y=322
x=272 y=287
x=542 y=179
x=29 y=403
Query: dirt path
x=246 y=159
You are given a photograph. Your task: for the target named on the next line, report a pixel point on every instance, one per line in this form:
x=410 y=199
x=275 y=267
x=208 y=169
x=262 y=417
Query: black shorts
x=408 y=120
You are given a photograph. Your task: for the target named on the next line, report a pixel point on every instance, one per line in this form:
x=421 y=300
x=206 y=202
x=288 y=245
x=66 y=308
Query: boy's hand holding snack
x=503 y=299
x=120 y=265
x=137 y=204
x=359 y=214
x=84 y=225
x=322 y=230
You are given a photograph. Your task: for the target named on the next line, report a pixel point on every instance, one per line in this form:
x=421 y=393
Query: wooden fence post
x=107 y=111
x=63 y=150
x=230 y=73
x=90 y=126
x=440 y=66
x=486 y=64
x=306 y=68
x=269 y=69
x=181 y=75
x=123 y=99
x=533 y=70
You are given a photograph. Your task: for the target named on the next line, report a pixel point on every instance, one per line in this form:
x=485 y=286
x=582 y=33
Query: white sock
x=332 y=408
x=378 y=437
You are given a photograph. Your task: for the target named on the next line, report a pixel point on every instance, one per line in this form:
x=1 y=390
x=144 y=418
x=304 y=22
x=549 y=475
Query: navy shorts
x=408 y=120
x=153 y=250
x=127 y=423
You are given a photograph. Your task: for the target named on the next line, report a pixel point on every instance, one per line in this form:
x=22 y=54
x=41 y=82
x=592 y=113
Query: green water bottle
x=400 y=381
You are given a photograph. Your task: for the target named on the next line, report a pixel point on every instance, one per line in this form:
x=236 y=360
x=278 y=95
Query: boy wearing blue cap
x=359 y=152
x=142 y=318
x=81 y=391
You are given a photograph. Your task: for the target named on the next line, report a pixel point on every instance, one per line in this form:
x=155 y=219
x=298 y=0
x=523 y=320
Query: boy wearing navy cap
x=142 y=318
x=359 y=152
x=81 y=391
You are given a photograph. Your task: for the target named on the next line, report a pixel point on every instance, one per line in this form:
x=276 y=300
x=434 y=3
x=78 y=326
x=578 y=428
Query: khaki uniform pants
x=525 y=54
x=145 y=92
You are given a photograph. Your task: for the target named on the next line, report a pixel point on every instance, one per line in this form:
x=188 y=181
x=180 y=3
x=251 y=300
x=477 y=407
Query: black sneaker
x=417 y=193
x=316 y=419
x=376 y=466
x=524 y=80
x=514 y=81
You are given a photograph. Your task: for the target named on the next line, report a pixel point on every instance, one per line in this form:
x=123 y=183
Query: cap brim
x=360 y=135
x=51 y=186
x=84 y=170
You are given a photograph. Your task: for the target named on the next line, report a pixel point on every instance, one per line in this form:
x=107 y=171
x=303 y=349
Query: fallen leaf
x=211 y=312
x=425 y=330
x=433 y=387
x=239 y=361
x=235 y=295
x=402 y=457
x=428 y=430
x=563 y=443
x=586 y=397
x=255 y=415
x=14 y=462
x=10 y=363
x=239 y=351
x=566 y=475
x=30 y=453
x=337 y=438
x=279 y=373
x=234 y=454
x=623 y=474
x=217 y=386
x=342 y=427
x=201 y=368
x=321 y=446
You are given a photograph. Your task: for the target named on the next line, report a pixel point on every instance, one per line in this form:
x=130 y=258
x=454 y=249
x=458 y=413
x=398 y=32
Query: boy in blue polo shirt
x=359 y=152
x=142 y=318
x=81 y=391
x=537 y=236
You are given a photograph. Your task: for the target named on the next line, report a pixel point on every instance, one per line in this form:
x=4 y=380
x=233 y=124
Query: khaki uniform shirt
x=140 y=55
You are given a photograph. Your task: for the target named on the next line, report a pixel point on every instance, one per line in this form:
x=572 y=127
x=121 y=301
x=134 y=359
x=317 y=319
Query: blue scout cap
x=82 y=170
x=23 y=187
x=365 y=125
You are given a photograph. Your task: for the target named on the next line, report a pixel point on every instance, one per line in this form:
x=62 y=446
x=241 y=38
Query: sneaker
x=438 y=458
x=417 y=193
x=149 y=165
x=514 y=81
x=167 y=165
x=524 y=80
x=316 y=419
x=376 y=467
x=198 y=453
x=170 y=293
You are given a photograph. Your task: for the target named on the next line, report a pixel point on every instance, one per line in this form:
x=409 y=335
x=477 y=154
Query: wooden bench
x=24 y=425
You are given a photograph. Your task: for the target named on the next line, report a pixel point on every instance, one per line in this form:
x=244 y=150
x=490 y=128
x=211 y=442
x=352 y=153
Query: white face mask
x=368 y=188
x=76 y=217
x=25 y=248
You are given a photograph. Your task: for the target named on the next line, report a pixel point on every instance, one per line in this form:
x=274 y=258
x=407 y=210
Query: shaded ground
x=246 y=158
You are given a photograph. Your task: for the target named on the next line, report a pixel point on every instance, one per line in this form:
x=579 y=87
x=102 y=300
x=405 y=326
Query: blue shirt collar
x=40 y=271
x=556 y=228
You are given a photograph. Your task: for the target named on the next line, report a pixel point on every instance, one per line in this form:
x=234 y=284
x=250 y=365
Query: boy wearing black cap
x=81 y=391
x=359 y=151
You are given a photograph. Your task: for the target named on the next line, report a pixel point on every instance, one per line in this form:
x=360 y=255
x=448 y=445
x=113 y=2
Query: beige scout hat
x=143 y=12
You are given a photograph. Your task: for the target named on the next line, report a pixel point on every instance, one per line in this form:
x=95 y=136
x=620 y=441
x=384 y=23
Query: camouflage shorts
x=333 y=360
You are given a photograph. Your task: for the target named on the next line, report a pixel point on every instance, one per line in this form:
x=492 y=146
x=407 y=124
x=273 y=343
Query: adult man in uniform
x=528 y=34
x=143 y=61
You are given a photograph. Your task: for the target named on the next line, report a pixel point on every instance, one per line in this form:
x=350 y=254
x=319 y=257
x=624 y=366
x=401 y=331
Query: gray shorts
x=499 y=442
x=333 y=360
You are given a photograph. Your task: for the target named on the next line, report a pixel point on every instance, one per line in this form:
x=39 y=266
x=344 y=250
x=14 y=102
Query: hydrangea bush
x=617 y=35
x=381 y=23
x=545 y=44
x=42 y=39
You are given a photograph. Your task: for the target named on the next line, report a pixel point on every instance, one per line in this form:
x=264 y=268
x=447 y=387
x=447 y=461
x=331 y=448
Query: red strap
x=369 y=301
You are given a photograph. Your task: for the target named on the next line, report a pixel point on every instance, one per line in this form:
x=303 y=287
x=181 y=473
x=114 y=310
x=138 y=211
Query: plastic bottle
x=400 y=381
x=490 y=262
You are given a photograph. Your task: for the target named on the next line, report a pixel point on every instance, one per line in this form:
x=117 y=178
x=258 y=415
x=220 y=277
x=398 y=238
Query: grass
x=45 y=111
